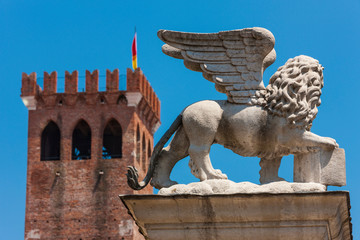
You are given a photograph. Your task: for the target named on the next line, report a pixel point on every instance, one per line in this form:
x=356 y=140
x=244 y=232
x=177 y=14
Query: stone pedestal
x=242 y=216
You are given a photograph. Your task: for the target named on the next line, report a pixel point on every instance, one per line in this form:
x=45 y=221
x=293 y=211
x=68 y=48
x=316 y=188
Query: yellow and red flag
x=134 y=53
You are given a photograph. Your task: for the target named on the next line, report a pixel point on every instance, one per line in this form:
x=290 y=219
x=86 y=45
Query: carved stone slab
x=325 y=167
x=291 y=216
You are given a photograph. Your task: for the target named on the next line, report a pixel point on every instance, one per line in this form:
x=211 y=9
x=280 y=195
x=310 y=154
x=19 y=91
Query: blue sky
x=41 y=35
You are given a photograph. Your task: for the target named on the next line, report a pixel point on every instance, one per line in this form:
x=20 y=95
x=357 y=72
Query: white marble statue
x=269 y=122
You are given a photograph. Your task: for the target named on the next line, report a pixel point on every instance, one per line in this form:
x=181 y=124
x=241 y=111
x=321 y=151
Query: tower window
x=50 y=142
x=112 y=140
x=81 y=141
x=122 y=100
x=138 y=144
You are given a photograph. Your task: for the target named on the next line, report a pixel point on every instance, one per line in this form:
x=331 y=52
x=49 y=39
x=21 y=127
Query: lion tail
x=132 y=174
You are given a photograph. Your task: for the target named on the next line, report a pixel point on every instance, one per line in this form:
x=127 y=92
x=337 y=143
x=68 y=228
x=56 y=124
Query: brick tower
x=79 y=147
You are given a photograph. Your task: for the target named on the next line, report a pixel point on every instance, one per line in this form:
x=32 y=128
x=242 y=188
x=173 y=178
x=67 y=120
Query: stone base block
x=291 y=216
x=325 y=167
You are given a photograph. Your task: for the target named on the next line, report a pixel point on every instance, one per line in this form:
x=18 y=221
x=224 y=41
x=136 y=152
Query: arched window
x=122 y=100
x=144 y=155
x=138 y=144
x=112 y=140
x=81 y=141
x=50 y=142
x=149 y=150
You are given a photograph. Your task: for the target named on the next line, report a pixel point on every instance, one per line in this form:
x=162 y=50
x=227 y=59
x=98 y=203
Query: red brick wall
x=69 y=199
x=28 y=83
x=112 y=80
x=71 y=82
x=137 y=82
x=92 y=81
x=50 y=82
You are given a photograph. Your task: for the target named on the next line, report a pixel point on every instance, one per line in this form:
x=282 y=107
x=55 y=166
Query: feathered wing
x=233 y=60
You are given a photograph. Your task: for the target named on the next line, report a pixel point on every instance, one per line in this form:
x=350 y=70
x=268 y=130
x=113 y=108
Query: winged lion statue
x=267 y=122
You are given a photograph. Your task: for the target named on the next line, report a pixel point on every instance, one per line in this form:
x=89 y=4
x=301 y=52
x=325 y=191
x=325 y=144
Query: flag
x=134 y=53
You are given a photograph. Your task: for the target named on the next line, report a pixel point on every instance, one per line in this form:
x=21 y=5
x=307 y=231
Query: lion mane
x=294 y=91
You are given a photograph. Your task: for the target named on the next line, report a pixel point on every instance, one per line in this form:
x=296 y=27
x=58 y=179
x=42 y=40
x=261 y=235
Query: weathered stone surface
x=269 y=122
x=218 y=186
x=233 y=60
x=326 y=167
x=242 y=216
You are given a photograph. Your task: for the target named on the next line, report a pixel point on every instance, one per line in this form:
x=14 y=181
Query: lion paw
x=329 y=143
x=216 y=174
x=205 y=173
x=220 y=174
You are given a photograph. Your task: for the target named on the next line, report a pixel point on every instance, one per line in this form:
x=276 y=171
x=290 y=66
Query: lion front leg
x=269 y=170
x=311 y=140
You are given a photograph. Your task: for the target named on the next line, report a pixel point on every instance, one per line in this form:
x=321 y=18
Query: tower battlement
x=139 y=92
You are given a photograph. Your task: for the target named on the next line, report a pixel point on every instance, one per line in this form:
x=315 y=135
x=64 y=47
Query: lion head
x=294 y=91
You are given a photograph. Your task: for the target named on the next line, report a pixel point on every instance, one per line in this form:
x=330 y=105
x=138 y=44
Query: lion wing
x=233 y=60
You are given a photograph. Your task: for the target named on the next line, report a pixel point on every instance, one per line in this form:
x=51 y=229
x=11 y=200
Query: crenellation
x=71 y=82
x=50 y=83
x=112 y=80
x=145 y=90
x=143 y=86
x=138 y=91
x=148 y=92
x=92 y=81
x=145 y=82
x=141 y=82
x=28 y=87
x=158 y=107
x=156 y=101
x=133 y=80
x=137 y=82
x=153 y=100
